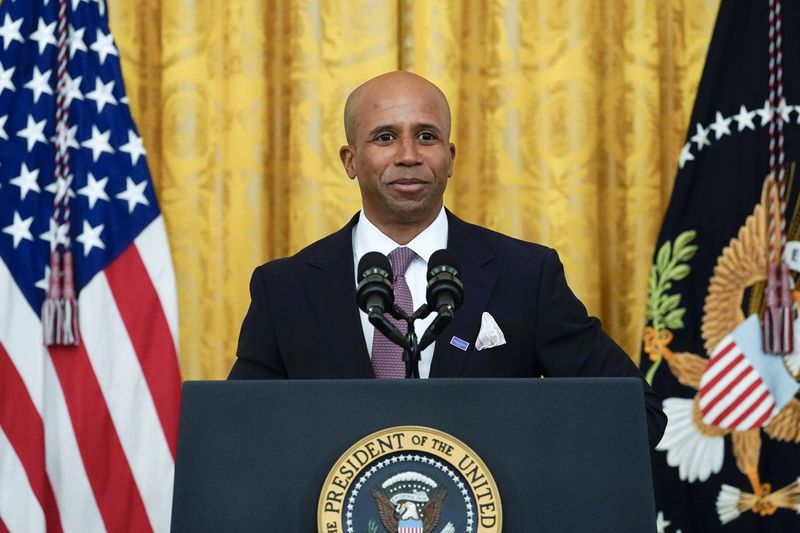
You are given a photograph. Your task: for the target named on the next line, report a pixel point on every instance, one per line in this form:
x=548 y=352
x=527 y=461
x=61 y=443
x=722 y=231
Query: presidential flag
x=721 y=308
x=87 y=431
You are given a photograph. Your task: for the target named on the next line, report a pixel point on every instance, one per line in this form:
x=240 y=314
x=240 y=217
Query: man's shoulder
x=500 y=243
x=318 y=253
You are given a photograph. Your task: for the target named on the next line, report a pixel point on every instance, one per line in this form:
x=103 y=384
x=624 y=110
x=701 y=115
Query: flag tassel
x=69 y=325
x=771 y=319
x=60 y=308
x=50 y=309
x=787 y=337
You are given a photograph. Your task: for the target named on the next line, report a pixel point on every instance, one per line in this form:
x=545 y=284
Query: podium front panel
x=566 y=454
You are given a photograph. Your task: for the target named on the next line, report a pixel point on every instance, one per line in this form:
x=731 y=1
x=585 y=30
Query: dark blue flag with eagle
x=722 y=338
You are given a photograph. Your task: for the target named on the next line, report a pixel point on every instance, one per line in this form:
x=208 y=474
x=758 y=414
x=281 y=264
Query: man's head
x=398 y=147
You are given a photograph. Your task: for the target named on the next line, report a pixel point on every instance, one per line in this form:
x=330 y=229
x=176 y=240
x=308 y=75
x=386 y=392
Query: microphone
x=445 y=290
x=445 y=293
x=374 y=291
x=375 y=294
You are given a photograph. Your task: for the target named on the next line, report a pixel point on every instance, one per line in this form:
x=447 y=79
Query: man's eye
x=384 y=137
x=427 y=136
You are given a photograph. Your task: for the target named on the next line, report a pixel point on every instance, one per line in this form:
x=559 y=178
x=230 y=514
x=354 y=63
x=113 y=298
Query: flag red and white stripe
x=87 y=433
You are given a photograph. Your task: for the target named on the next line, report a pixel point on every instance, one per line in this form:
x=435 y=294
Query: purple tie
x=387 y=357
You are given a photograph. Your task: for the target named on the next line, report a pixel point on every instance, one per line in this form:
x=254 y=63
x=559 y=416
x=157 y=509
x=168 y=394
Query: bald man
x=303 y=321
x=398 y=148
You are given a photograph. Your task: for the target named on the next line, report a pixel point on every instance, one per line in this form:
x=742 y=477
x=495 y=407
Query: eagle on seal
x=405 y=512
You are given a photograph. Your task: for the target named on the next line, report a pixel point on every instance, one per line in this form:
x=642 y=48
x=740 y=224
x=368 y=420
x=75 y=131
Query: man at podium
x=519 y=318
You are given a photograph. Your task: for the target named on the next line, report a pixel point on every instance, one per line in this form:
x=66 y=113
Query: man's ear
x=348 y=160
x=452 y=159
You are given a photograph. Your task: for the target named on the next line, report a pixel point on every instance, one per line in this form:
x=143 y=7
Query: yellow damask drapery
x=568 y=117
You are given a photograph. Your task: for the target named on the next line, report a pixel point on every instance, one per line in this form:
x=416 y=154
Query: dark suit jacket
x=303 y=321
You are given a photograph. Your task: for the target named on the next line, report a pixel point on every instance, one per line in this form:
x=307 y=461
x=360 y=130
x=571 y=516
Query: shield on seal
x=409 y=526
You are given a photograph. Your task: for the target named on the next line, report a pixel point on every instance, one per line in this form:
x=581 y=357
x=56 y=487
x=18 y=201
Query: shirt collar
x=368 y=238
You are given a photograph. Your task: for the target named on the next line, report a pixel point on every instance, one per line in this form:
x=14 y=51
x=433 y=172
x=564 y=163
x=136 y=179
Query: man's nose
x=407 y=152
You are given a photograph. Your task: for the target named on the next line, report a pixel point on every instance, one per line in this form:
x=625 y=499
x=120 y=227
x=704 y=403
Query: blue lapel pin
x=461 y=344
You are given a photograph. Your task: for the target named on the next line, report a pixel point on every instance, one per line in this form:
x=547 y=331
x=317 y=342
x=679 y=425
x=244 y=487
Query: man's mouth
x=408 y=185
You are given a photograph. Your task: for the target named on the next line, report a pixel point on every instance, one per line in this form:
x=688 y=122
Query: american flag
x=87 y=433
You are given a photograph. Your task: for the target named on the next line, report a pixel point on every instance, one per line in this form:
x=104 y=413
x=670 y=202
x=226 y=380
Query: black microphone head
x=374 y=283
x=374 y=260
x=443 y=258
x=444 y=281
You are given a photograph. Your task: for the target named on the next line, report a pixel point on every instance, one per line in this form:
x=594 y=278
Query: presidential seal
x=409 y=479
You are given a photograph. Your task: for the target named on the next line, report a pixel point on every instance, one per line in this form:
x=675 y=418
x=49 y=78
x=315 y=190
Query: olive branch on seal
x=372 y=527
x=663 y=309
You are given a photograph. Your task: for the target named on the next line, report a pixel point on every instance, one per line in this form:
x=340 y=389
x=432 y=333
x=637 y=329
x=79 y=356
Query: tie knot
x=400 y=258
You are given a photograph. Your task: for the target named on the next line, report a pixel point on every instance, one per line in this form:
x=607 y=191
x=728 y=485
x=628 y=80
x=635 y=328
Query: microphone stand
x=412 y=351
x=408 y=342
x=412 y=347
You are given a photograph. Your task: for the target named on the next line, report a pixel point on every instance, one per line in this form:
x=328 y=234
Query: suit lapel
x=479 y=280
x=331 y=290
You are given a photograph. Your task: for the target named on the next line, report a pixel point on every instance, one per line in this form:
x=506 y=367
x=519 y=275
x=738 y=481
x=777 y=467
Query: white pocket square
x=490 y=334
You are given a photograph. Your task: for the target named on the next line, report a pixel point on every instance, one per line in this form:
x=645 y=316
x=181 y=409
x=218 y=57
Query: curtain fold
x=568 y=120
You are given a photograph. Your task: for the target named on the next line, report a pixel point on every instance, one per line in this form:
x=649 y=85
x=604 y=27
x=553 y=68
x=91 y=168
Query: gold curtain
x=568 y=117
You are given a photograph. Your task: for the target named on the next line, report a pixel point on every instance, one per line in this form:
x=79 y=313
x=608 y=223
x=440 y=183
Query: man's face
x=400 y=152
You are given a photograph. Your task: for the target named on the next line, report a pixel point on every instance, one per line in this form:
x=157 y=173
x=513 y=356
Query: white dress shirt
x=368 y=238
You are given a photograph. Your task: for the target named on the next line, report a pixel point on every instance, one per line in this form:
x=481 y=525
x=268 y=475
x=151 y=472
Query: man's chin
x=410 y=212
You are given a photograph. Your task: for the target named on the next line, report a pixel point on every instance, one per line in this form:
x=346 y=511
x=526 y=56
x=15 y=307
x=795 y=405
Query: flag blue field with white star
x=87 y=433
